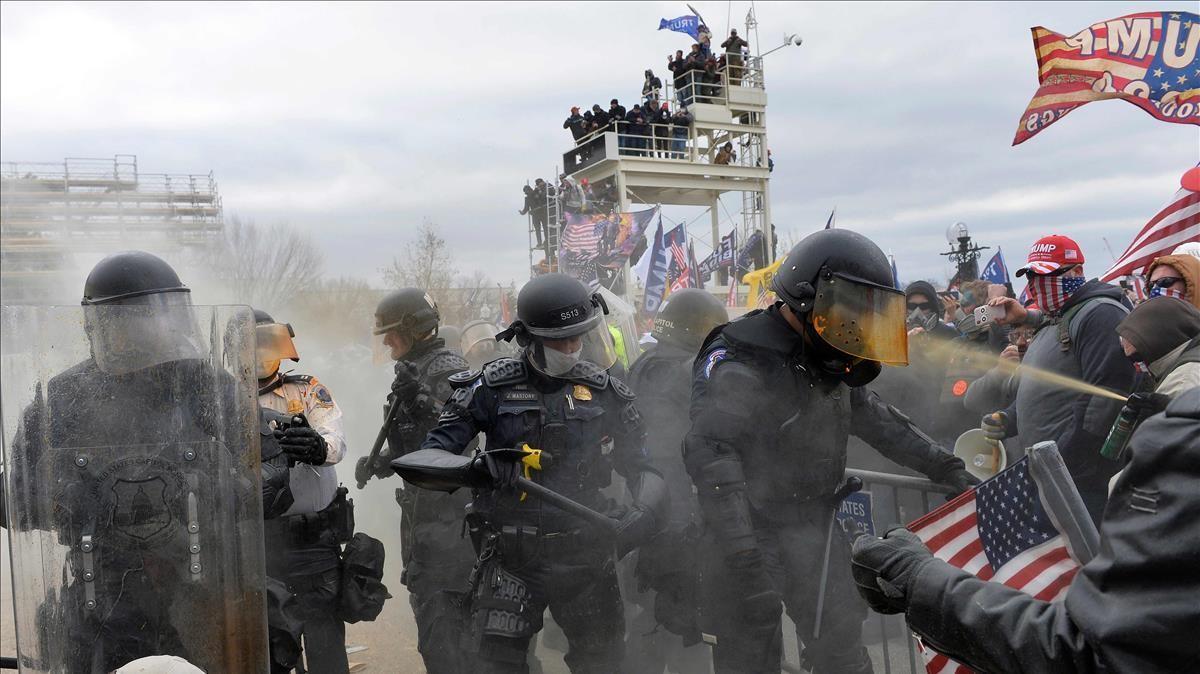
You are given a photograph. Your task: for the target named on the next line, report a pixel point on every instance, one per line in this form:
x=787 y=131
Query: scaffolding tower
x=690 y=170
x=50 y=212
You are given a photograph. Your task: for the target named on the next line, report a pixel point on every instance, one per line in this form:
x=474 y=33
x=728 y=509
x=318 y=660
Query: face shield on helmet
x=138 y=332
x=478 y=343
x=558 y=355
x=860 y=318
x=273 y=343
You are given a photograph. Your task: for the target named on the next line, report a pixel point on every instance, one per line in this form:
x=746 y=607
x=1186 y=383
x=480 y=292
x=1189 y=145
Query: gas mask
x=921 y=319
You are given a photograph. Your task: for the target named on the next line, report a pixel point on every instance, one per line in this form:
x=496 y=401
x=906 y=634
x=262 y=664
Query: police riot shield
x=131 y=480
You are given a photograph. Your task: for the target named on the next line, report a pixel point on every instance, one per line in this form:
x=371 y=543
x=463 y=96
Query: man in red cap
x=1076 y=338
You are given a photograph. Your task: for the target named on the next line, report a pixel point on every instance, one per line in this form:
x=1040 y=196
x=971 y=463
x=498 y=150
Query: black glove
x=303 y=444
x=960 y=480
x=362 y=470
x=503 y=467
x=633 y=530
x=1148 y=404
x=407 y=384
x=884 y=567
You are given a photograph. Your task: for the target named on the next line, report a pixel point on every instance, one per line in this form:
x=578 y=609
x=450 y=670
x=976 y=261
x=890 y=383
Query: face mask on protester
x=1052 y=292
x=558 y=362
x=926 y=320
x=1159 y=291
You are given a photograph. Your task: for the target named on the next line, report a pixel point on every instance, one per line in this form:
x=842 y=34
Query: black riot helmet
x=688 y=316
x=138 y=314
x=410 y=311
x=840 y=283
x=559 y=308
x=130 y=274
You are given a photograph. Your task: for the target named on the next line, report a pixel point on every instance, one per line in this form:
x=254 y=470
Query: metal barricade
x=895 y=499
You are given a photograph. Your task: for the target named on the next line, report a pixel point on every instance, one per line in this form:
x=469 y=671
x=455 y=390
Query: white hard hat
x=159 y=664
x=1190 y=248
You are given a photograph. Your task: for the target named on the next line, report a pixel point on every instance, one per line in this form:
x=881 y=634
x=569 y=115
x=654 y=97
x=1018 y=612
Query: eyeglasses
x=923 y=306
x=1164 y=282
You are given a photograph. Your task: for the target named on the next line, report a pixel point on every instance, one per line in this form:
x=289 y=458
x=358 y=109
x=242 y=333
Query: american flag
x=1143 y=58
x=680 y=274
x=1178 y=223
x=582 y=233
x=998 y=531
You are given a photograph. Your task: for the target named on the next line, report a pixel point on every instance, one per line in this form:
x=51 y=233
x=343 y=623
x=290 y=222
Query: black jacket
x=577 y=125
x=758 y=398
x=616 y=113
x=1131 y=609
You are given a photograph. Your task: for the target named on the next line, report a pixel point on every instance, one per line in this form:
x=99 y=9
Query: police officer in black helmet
x=132 y=466
x=775 y=395
x=437 y=558
x=556 y=397
x=662 y=379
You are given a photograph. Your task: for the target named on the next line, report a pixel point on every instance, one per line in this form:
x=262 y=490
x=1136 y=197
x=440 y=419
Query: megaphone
x=984 y=457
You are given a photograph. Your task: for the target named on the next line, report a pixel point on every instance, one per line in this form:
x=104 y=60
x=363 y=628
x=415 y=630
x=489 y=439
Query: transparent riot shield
x=131 y=476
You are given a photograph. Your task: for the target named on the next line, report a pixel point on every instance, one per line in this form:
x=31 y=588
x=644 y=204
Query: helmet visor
x=273 y=344
x=861 y=319
x=556 y=357
x=140 y=332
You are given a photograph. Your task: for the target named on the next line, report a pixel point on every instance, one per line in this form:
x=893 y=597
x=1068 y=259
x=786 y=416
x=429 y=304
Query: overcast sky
x=356 y=121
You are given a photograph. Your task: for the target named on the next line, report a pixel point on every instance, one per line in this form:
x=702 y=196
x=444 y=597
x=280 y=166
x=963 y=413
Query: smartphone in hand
x=987 y=314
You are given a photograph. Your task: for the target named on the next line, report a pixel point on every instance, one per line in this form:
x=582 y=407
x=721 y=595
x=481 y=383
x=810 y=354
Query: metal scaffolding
x=50 y=211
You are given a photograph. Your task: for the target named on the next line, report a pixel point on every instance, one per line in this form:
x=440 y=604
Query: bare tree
x=426 y=263
x=265 y=267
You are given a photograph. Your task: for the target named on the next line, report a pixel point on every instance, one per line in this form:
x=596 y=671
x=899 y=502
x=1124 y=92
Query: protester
x=600 y=118
x=1175 y=275
x=677 y=64
x=681 y=123
x=616 y=111
x=638 y=130
x=704 y=40
x=651 y=89
x=733 y=56
x=726 y=154
x=1079 y=342
x=1164 y=334
x=997 y=389
x=711 y=78
x=1132 y=608
x=925 y=312
x=575 y=123
x=662 y=130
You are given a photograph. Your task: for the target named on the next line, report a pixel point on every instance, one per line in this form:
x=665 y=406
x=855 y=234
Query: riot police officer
x=556 y=397
x=304 y=543
x=133 y=463
x=775 y=395
x=662 y=380
x=437 y=557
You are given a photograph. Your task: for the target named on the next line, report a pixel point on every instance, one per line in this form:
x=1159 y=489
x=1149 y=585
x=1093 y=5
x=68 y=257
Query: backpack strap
x=1066 y=330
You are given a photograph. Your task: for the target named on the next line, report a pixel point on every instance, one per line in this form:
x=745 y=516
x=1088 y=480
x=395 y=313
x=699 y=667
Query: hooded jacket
x=1165 y=332
x=1078 y=421
x=926 y=288
x=1189 y=268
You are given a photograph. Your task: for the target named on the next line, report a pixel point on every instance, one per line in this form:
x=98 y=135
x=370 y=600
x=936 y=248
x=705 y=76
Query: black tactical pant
x=437 y=561
x=793 y=551
x=572 y=574
x=324 y=632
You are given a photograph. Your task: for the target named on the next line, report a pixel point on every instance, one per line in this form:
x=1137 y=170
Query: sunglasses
x=1164 y=282
x=923 y=306
x=1057 y=272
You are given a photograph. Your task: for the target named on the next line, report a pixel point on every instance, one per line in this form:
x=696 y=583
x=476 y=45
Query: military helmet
x=408 y=310
x=130 y=274
x=687 y=316
x=842 y=284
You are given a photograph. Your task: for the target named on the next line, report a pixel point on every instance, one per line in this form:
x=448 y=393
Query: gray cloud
x=357 y=121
